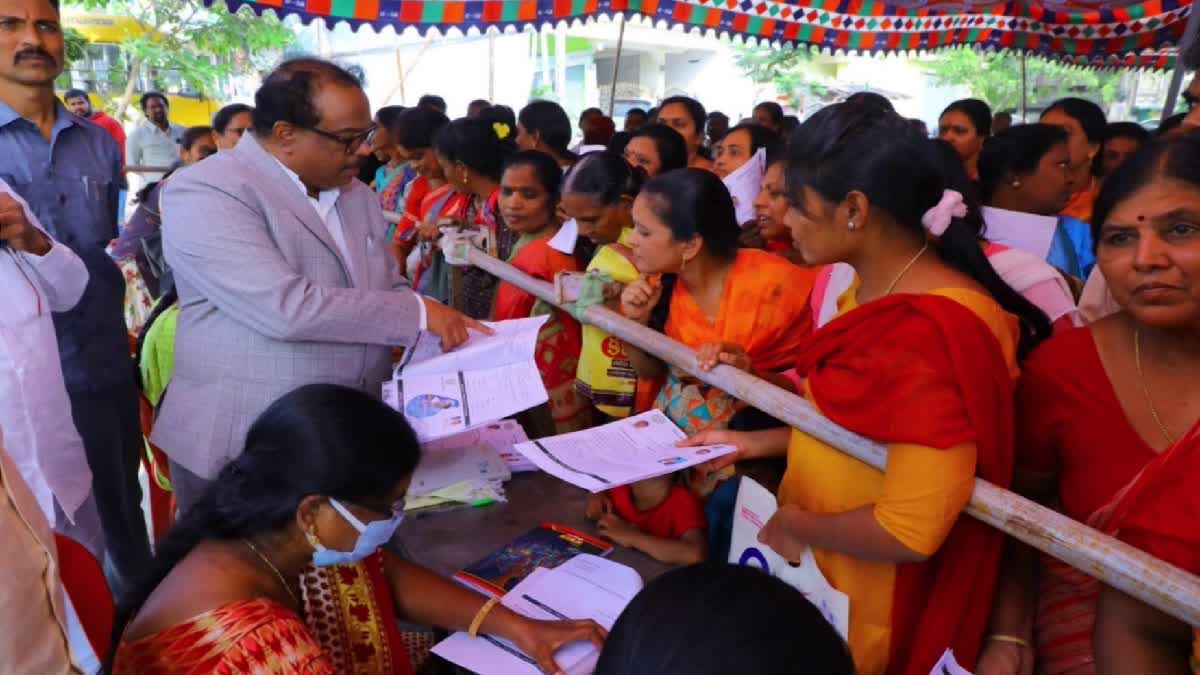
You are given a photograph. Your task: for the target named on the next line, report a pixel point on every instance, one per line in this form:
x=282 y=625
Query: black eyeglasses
x=350 y=143
x=1190 y=101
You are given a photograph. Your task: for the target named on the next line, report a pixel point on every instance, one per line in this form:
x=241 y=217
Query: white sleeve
x=61 y=274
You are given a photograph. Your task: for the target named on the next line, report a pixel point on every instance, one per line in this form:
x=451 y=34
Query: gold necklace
x=906 y=269
x=1137 y=360
x=274 y=569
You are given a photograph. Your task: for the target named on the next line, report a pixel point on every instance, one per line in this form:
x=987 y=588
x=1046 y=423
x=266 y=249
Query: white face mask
x=371 y=537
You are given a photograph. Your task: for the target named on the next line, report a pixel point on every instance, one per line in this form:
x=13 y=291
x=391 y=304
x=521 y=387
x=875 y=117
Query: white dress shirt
x=36 y=413
x=325 y=204
x=150 y=146
x=32 y=602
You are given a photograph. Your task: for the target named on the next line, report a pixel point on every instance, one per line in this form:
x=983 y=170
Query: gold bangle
x=1009 y=639
x=482 y=614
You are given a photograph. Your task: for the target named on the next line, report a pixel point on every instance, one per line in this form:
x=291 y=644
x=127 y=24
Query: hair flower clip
x=502 y=130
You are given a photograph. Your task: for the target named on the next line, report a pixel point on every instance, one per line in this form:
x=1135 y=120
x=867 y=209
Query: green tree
x=782 y=68
x=204 y=48
x=76 y=44
x=996 y=78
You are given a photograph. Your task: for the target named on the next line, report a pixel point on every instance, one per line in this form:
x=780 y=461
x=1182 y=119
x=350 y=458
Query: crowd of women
x=1019 y=305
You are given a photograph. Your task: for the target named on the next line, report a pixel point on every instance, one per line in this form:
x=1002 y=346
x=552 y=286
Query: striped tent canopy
x=1091 y=33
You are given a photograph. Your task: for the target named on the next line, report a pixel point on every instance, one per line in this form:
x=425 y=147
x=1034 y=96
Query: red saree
x=925 y=370
x=560 y=340
x=1158 y=511
x=249 y=637
x=350 y=611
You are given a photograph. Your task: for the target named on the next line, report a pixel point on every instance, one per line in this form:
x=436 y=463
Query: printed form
x=584 y=587
x=488 y=378
x=618 y=453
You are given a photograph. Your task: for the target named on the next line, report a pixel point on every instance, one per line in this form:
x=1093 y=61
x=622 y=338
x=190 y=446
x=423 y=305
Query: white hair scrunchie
x=938 y=218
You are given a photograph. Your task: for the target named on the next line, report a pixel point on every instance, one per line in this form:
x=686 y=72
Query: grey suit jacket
x=267 y=304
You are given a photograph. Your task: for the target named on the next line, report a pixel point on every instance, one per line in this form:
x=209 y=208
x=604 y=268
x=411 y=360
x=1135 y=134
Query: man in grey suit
x=284 y=273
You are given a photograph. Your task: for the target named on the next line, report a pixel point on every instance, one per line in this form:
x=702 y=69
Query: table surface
x=448 y=541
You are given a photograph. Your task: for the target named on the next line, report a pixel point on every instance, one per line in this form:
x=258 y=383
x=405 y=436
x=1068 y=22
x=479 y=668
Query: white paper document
x=488 y=378
x=948 y=665
x=755 y=506
x=1025 y=231
x=500 y=436
x=618 y=453
x=584 y=587
x=448 y=466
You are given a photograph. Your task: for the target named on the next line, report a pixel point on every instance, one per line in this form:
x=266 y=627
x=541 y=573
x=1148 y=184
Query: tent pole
x=491 y=66
x=1189 y=38
x=612 y=99
x=1024 y=90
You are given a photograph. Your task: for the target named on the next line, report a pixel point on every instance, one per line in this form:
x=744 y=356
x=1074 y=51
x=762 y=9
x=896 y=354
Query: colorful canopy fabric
x=1097 y=33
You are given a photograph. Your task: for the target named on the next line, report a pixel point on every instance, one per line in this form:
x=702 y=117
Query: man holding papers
x=284 y=271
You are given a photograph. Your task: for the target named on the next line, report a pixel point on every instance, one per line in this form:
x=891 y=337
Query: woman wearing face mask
x=529 y=194
x=1025 y=181
x=686 y=116
x=1085 y=125
x=1102 y=409
x=599 y=194
x=922 y=358
x=656 y=149
x=291 y=532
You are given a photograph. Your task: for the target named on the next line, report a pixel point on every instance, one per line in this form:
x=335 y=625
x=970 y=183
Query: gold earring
x=682 y=265
x=311 y=537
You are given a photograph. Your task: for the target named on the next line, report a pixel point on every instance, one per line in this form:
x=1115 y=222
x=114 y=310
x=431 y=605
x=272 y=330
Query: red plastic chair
x=84 y=581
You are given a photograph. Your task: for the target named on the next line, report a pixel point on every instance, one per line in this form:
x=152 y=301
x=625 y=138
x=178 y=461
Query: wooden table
x=448 y=541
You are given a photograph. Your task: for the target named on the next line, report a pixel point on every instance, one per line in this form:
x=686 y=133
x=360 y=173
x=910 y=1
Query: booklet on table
x=619 y=453
x=488 y=378
x=546 y=546
x=584 y=587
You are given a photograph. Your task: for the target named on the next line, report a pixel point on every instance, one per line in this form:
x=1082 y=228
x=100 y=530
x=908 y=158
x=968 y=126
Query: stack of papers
x=500 y=436
x=755 y=506
x=472 y=475
x=618 y=453
x=584 y=587
x=488 y=378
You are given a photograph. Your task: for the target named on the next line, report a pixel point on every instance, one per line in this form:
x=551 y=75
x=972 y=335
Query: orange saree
x=763 y=309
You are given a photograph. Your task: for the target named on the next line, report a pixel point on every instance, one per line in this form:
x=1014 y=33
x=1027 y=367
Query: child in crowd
x=657 y=516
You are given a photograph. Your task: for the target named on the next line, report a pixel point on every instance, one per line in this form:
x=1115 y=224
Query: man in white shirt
x=156 y=141
x=40 y=276
x=284 y=271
